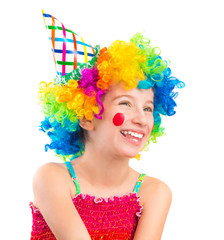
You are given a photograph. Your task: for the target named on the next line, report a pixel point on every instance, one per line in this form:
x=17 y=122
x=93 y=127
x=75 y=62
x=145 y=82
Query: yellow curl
x=120 y=63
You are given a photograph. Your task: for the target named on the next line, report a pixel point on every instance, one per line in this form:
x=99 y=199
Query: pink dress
x=115 y=217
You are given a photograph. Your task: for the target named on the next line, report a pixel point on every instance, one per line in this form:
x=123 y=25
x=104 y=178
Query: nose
x=139 y=117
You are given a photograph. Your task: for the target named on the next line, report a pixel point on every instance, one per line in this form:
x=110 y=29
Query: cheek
x=118 y=119
x=151 y=124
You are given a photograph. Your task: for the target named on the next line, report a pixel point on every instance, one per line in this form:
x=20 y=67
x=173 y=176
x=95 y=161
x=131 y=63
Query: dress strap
x=74 y=178
x=139 y=182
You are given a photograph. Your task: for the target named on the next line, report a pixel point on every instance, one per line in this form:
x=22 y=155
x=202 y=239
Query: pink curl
x=90 y=91
x=88 y=82
x=98 y=95
x=89 y=78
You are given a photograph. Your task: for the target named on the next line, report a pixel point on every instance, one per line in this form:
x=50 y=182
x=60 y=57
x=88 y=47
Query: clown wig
x=78 y=94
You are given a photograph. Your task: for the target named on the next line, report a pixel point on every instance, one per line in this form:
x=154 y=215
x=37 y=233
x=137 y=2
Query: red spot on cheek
x=118 y=119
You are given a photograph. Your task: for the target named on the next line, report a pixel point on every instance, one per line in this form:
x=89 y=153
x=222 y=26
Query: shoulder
x=154 y=190
x=156 y=206
x=49 y=171
x=50 y=176
x=52 y=198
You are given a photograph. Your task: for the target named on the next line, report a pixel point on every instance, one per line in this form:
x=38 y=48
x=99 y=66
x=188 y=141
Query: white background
x=189 y=158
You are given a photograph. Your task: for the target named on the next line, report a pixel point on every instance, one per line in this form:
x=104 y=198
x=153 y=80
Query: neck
x=102 y=169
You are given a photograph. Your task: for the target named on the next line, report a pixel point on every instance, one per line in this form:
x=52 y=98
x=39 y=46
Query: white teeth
x=138 y=135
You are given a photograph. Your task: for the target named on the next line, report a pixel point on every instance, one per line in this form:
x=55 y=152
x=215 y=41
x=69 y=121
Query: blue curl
x=64 y=138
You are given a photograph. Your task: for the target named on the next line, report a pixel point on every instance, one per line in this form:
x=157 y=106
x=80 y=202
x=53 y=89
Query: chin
x=129 y=154
x=128 y=151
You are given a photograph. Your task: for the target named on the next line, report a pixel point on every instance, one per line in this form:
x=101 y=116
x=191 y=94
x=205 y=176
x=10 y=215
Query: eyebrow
x=129 y=96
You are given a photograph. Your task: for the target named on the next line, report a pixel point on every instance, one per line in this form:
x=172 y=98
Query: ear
x=86 y=124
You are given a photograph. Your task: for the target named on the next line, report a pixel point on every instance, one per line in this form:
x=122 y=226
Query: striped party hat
x=70 y=51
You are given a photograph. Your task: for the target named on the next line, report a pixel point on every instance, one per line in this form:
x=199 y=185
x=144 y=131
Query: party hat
x=70 y=51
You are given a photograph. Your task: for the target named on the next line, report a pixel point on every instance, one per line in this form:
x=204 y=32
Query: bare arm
x=155 y=211
x=53 y=198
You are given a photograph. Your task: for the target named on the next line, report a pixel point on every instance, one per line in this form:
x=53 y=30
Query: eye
x=124 y=103
x=149 y=109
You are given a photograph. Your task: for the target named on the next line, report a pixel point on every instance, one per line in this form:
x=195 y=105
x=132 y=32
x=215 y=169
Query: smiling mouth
x=129 y=134
x=135 y=139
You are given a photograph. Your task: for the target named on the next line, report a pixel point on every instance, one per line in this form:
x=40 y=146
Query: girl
x=103 y=108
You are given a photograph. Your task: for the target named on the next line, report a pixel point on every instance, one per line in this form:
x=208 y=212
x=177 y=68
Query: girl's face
x=130 y=137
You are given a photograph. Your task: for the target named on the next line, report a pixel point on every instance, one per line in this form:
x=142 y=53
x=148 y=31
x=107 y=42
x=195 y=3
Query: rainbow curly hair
x=78 y=95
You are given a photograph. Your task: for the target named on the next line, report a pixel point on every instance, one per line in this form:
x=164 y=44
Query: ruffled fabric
x=40 y=229
x=113 y=199
x=114 y=217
